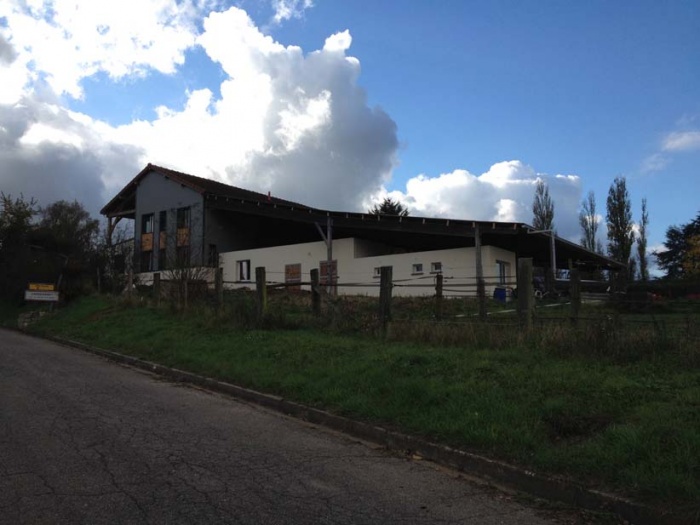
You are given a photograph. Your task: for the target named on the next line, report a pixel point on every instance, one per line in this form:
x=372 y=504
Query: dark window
x=147 y=223
x=146 y=261
x=182 y=256
x=213 y=256
x=435 y=267
x=503 y=269
x=163 y=221
x=183 y=218
x=162 y=260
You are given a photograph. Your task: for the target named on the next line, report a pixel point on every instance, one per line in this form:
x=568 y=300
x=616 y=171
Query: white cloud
x=65 y=41
x=504 y=193
x=682 y=141
x=288 y=9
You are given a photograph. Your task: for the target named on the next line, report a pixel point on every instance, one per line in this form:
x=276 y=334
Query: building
x=185 y=221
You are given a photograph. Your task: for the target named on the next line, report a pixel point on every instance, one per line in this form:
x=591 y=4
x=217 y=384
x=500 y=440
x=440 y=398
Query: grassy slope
x=632 y=428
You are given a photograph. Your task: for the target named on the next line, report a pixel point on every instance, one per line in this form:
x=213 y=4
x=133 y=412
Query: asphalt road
x=84 y=440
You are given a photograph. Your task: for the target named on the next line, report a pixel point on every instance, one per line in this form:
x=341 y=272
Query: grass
x=627 y=425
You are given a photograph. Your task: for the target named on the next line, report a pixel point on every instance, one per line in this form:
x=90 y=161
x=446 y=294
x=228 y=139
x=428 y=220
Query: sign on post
x=42 y=287
x=41 y=295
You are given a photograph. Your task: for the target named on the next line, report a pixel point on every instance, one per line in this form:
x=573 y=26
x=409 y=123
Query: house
x=183 y=220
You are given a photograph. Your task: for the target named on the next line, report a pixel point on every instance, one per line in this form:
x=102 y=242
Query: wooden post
x=315 y=292
x=129 y=283
x=219 y=287
x=385 y=285
x=156 y=288
x=526 y=292
x=480 y=285
x=438 y=296
x=261 y=291
x=575 y=293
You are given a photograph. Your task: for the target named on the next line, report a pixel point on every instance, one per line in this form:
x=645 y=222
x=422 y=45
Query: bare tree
x=542 y=207
x=588 y=219
x=642 y=243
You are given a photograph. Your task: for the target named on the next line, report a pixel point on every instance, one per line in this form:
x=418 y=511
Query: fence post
x=261 y=291
x=526 y=293
x=129 y=283
x=438 y=296
x=575 y=293
x=219 y=287
x=385 y=285
x=315 y=292
x=480 y=284
x=156 y=288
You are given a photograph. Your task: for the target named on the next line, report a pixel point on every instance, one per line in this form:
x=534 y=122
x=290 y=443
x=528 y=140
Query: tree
x=389 y=207
x=679 y=244
x=642 y=243
x=619 y=219
x=16 y=230
x=542 y=207
x=588 y=219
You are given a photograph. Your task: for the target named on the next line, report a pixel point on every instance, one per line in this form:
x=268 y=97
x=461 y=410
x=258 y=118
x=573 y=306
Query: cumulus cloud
x=503 y=193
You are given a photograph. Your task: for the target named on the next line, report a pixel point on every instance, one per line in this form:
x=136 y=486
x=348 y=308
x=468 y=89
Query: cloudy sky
x=455 y=108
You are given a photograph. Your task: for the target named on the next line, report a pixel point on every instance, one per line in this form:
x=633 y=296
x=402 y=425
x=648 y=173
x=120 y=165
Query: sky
x=454 y=108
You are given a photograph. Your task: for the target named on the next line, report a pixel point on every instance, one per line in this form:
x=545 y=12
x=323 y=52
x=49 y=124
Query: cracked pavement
x=84 y=440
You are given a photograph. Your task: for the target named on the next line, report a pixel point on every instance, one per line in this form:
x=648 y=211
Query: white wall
x=458 y=267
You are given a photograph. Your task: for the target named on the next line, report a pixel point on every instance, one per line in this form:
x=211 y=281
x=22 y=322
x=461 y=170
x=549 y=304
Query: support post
x=575 y=293
x=315 y=292
x=553 y=265
x=385 y=285
x=438 y=296
x=480 y=285
x=219 y=287
x=156 y=288
x=526 y=292
x=261 y=291
x=329 y=246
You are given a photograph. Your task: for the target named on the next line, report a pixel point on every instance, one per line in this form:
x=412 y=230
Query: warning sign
x=42 y=287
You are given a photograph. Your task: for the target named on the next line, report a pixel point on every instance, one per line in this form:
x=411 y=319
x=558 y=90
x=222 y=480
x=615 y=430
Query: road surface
x=84 y=440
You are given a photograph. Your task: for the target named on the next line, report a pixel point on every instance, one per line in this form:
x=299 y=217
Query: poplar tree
x=642 y=243
x=619 y=219
x=542 y=208
x=588 y=220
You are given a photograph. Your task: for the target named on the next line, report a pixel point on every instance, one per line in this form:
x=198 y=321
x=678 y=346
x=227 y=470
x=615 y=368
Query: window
x=436 y=267
x=161 y=259
x=182 y=256
x=183 y=218
x=503 y=270
x=243 y=270
x=417 y=268
x=163 y=221
x=213 y=256
x=147 y=223
x=377 y=272
x=146 y=261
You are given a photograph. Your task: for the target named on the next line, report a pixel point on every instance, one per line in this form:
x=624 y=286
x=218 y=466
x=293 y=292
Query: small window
x=163 y=221
x=436 y=267
x=417 y=268
x=147 y=223
x=213 y=256
x=378 y=272
x=503 y=269
x=146 y=261
x=183 y=218
x=243 y=270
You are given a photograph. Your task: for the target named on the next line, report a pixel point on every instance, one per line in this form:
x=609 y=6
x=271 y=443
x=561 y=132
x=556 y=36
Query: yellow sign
x=41 y=287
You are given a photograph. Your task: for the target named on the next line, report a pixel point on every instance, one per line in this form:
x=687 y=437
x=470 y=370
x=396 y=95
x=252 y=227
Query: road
x=84 y=440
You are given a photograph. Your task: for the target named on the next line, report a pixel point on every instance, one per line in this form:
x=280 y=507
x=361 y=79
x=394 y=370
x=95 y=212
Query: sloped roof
x=123 y=204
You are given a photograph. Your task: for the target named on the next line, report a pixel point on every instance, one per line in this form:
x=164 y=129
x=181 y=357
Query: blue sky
x=454 y=107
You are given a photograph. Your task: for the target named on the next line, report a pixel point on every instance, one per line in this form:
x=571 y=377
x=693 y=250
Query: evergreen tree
x=389 y=207
x=680 y=244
